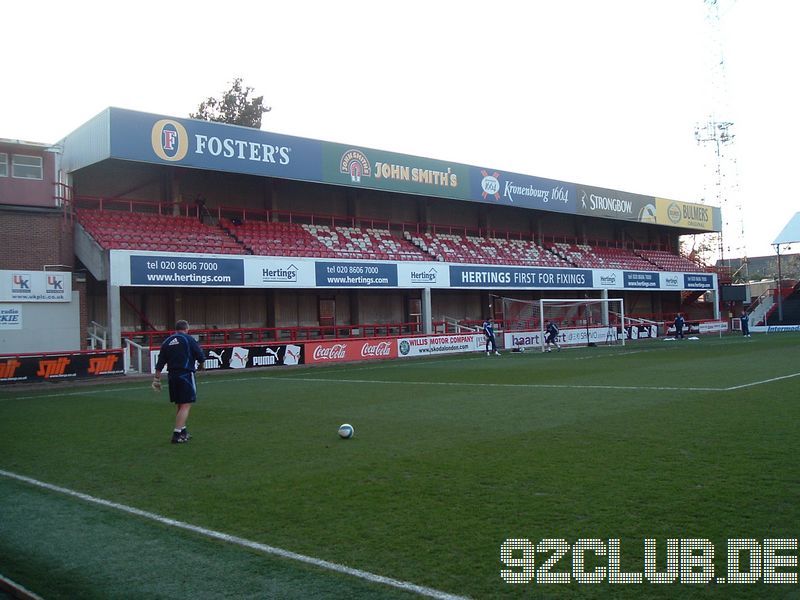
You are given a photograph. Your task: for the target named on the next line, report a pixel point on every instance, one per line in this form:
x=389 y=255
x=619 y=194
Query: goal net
x=595 y=322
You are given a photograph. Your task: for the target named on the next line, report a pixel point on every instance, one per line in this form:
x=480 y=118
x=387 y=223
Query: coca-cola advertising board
x=344 y=351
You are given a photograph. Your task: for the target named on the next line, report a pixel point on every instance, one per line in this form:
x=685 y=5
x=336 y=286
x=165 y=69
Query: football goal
x=587 y=322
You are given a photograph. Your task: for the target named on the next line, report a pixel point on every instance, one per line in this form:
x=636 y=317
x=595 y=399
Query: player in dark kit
x=745 y=320
x=551 y=334
x=488 y=331
x=679 y=326
x=180 y=353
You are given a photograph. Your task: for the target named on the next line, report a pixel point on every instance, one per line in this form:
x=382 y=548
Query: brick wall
x=31 y=240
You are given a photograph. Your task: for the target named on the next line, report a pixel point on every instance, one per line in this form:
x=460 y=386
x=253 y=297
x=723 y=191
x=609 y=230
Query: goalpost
x=585 y=322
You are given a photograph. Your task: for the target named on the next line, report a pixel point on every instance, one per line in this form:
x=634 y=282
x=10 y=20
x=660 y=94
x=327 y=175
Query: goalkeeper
x=180 y=353
x=551 y=335
x=488 y=332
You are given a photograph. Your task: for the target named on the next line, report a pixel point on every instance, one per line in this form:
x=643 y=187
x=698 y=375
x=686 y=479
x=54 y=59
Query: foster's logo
x=169 y=140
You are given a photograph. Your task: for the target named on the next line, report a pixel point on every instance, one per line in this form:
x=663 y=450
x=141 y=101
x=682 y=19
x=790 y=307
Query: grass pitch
x=451 y=457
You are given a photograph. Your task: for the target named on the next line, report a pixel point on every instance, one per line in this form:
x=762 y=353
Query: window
x=3 y=164
x=26 y=167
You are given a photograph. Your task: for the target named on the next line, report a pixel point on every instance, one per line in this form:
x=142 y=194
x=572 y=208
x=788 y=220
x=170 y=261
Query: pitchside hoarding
x=350 y=350
x=61 y=366
x=640 y=332
x=440 y=344
x=245 y=356
x=699 y=327
x=566 y=337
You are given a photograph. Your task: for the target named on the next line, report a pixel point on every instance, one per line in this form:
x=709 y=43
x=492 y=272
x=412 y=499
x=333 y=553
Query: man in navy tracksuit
x=745 y=319
x=488 y=331
x=180 y=353
x=679 y=322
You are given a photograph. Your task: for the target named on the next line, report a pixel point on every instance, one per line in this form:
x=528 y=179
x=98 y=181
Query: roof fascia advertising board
x=213 y=146
x=156 y=139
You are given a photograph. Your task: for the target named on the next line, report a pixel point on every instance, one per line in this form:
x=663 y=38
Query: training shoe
x=487 y=354
x=179 y=438
x=497 y=353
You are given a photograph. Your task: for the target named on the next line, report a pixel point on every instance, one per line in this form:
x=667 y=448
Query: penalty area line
x=238 y=541
x=81 y=392
x=635 y=388
x=504 y=385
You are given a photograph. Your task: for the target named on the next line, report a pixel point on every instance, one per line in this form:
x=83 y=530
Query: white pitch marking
x=83 y=392
x=613 y=355
x=232 y=539
x=762 y=382
x=510 y=385
x=503 y=385
x=19 y=591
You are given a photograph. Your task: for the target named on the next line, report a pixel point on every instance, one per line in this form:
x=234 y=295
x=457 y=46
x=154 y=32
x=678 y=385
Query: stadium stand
x=620 y=258
x=152 y=204
x=369 y=243
x=667 y=261
x=451 y=247
x=138 y=231
x=525 y=252
x=271 y=238
x=578 y=255
x=601 y=257
x=130 y=230
x=267 y=238
x=443 y=247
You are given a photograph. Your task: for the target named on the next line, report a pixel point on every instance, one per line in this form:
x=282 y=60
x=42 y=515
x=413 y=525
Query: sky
x=606 y=93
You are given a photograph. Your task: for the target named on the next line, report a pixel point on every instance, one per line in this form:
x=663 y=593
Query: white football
x=346 y=431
